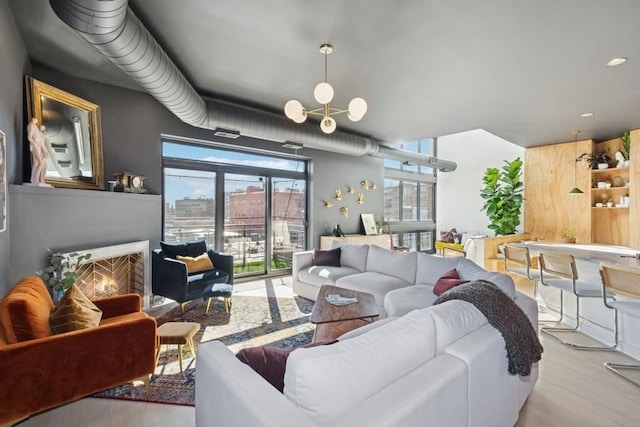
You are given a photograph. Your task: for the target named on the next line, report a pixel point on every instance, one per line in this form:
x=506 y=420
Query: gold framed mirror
x=72 y=133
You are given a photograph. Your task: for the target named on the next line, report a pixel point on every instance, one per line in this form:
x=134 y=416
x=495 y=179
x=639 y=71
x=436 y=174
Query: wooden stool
x=177 y=333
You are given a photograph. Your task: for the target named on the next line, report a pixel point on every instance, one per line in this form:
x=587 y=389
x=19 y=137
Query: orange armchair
x=42 y=371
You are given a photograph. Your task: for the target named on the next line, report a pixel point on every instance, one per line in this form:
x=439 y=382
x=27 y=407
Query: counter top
x=620 y=255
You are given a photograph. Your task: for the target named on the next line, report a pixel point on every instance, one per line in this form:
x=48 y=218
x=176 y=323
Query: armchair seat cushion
x=209 y=276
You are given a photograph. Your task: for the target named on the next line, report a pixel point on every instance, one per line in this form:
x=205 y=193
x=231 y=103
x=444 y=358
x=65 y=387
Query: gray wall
x=13 y=65
x=66 y=220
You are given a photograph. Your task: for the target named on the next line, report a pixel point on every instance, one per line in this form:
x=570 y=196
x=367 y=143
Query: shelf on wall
x=613 y=207
x=610 y=188
x=623 y=168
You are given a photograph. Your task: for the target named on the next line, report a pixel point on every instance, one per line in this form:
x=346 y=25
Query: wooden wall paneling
x=634 y=186
x=549 y=175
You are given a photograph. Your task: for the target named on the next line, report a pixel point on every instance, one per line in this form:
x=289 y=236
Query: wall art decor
x=369 y=224
x=338 y=194
x=360 y=198
x=344 y=211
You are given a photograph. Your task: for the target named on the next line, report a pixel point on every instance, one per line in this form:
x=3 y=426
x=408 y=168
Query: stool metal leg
x=617 y=369
x=549 y=331
x=180 y=356
x=206 y=311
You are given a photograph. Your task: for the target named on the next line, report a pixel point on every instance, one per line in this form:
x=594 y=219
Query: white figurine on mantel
x=39 y=154
x=620 y=159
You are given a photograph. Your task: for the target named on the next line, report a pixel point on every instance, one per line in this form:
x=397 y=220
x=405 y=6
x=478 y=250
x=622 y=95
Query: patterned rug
x=253 y=321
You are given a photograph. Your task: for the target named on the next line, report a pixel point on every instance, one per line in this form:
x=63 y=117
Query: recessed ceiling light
x=590 y=114
x=616 y=61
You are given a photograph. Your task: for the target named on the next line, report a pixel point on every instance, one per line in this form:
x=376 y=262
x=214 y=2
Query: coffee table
x=332 y=321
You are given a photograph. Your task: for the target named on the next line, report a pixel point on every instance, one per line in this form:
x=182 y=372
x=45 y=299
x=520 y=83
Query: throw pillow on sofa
x=448 y=280
x=195 y=264
x=328 y=258
x=270 y=362
x=74 y=311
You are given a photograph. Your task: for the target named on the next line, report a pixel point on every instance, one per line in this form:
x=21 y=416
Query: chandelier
x=323 y=93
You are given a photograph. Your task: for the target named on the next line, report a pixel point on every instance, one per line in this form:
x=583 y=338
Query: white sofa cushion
x=399 y=302
x=377 y=284
x=326 y=382
x=392 y=263
x=322 y=275
x=354 y=256
x=469 y=270
x=429 y=268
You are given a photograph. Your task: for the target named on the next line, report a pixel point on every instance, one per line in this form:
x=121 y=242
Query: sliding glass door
x=250 y=205
x=189 y=205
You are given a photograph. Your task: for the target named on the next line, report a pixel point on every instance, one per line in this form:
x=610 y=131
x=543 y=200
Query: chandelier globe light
x=323 y=94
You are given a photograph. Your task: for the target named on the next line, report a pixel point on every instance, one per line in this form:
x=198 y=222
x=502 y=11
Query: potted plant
x=568 y=236
x=502 y=193
x=62 y=271
x=597 y=160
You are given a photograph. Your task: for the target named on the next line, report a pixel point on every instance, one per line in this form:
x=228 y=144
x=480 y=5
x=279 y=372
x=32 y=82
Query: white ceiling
x=521 y=69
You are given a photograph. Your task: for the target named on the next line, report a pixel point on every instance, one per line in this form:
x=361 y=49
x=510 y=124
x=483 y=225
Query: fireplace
x=116 y=270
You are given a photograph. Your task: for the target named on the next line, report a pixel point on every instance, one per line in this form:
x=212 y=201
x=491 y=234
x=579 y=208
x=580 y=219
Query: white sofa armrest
x=299 y=261
x=529 y=306
x=230 y=393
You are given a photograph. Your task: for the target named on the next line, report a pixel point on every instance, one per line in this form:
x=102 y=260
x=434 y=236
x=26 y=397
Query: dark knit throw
x=523 y=346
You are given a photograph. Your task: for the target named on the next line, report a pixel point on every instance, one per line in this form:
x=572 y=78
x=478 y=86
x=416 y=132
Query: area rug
x=253 y=321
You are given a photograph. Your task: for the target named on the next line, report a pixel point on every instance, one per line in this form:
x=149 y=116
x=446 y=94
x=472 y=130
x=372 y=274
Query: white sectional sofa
x=439 y=366
x=430 y=365
x=399 y=281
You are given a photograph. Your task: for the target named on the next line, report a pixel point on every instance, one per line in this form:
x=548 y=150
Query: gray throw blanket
x=523 y=346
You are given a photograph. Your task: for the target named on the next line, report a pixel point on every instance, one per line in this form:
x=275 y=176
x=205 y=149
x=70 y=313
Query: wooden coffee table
x=332 y=321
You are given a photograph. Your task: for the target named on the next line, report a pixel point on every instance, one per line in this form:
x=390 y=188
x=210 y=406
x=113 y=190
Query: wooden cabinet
x=357 y=239
x=550 y=171
x=610 y=198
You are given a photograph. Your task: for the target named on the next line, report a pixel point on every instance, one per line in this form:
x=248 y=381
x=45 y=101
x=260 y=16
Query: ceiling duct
x=112 y=28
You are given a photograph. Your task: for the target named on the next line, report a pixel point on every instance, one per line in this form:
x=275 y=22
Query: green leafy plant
x=626 y=144
x=502 y=193
x=595 y=158
x=62 y=271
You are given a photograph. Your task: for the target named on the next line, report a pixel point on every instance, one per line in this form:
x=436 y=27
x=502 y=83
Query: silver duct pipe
x=117 y=33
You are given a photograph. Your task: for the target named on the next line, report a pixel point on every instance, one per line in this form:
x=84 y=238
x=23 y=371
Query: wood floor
x=574 y=389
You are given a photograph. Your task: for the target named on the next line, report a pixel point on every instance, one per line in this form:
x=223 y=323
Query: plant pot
x=603 y=165
x=627 y=162
x=568 y=240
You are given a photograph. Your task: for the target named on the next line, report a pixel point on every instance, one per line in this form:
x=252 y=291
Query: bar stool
x=520 y=256
x=624 y=281
x=561 y=273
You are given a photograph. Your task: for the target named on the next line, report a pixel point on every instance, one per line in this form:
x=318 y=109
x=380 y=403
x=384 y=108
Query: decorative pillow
x=448 y=236
x=195 y=264
x=271 y=362
x=172 y=250
x=74 y=311
x=330 y=258
x=448 y=280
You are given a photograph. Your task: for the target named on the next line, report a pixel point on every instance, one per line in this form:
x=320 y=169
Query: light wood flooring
x=574 y=389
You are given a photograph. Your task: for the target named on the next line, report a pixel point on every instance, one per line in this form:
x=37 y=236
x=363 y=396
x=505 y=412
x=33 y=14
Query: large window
x=409 y=198
x=252 y=205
